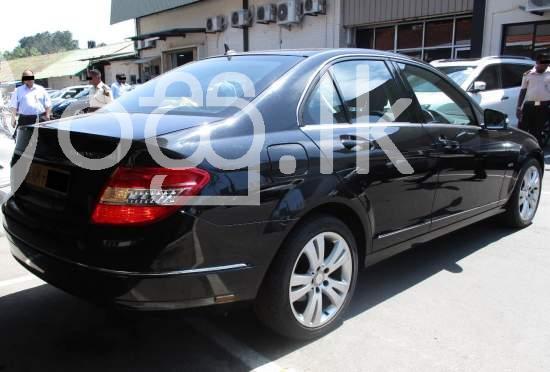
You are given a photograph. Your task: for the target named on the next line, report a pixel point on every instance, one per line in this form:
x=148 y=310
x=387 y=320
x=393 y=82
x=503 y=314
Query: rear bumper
x=144 y=291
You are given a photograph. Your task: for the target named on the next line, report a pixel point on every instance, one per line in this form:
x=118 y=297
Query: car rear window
x=185 y=90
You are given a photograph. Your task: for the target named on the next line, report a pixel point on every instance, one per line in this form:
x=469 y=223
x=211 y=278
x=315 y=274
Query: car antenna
x=228 y=51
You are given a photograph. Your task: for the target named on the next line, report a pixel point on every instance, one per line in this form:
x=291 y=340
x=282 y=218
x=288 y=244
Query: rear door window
x=324 y=105
x=369 y=91
x=512 y=74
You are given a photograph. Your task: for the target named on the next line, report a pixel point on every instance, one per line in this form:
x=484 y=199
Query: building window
x=526 y=39
x=410 y=36
x=385 y=38
x=428 y=40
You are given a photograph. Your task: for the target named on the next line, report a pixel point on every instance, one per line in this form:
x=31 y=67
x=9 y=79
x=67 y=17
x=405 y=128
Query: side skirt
x=401 y=247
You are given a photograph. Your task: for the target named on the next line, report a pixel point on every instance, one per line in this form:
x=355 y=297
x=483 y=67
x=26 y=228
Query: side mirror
x=479 y=86
x=495 y=120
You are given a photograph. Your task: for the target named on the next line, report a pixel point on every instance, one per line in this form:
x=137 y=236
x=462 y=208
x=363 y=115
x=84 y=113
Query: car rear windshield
x=209 y=87
x=458 y=73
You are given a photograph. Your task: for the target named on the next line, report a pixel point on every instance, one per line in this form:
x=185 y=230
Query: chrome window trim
x=330 y=61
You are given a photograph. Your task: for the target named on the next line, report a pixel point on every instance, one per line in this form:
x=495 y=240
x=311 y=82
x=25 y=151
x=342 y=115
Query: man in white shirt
x=30 y=101
x=100 y=93
x=534 y=98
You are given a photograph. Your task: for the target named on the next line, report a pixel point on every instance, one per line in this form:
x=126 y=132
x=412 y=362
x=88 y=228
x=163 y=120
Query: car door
x=352 y=114
x=493 y=97
x=471 y=160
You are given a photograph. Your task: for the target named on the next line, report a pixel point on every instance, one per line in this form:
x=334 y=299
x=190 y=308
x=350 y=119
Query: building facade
x=170 y=33
x=511 y=29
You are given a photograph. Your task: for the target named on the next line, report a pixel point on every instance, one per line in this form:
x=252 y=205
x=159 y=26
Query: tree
x=43 y=43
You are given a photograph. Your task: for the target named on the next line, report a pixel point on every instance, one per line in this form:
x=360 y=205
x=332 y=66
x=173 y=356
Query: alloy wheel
x=321 y=280
x=529 y=194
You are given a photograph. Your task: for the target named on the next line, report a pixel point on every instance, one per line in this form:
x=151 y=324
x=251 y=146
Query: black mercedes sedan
x=269 y=177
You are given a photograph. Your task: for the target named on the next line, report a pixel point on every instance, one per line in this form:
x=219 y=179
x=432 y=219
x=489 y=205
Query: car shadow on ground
x=45 y=329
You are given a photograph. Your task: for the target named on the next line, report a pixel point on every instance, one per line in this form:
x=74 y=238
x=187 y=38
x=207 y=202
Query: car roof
x=474 y=62
x=320 y=51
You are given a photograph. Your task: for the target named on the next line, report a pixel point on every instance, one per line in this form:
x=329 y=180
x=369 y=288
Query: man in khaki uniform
x=534 y=98
x=100 y=93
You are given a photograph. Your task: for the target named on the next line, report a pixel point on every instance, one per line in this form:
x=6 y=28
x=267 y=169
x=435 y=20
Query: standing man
x=534 y=99
x=100 y=93
x=30 y=101
x=119 y=87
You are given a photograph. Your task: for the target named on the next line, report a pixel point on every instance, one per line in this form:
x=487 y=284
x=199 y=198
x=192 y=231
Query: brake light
x=143 y=195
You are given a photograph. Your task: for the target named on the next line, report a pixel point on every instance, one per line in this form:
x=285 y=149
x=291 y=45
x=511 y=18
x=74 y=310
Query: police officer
x=30 y=101
x=534 y=99
x=100 y=93
x=119 y=87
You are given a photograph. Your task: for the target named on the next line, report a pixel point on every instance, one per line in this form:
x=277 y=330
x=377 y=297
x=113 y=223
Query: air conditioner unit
x=147 y=44
x=266 y=13
x=538 y=5
x=241 y=18
x=314 y=7
x=215 y=24
x=289 y=12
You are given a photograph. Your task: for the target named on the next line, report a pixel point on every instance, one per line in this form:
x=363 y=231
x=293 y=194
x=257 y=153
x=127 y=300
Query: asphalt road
x=476 y=300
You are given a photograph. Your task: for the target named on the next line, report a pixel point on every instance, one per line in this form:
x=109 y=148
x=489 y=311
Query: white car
x=66 y=93
x=494 y=82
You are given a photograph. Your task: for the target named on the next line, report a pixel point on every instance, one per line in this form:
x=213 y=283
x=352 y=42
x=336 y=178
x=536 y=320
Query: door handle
x=447 y=144
x=505 y=98
x=351 y=142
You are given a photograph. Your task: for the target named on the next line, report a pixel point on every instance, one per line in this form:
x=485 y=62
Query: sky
x=86 y=19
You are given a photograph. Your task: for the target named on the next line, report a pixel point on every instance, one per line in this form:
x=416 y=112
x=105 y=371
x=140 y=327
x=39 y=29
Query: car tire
x=321 y=288
x=523 y=204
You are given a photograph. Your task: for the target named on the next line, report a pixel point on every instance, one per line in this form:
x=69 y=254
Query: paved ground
x=477 y=300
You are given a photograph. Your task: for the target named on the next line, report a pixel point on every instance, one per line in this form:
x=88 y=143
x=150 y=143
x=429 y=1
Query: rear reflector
x=137 y=196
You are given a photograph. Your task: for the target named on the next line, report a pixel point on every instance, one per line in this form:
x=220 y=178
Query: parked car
x=67 y=93
x=493 y=82
x=77 y=105
x=105 y=235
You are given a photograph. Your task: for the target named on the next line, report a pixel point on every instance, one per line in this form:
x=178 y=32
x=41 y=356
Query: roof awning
x=175 y=32
x=146 y=60
x=122 y=10
x=116 y=57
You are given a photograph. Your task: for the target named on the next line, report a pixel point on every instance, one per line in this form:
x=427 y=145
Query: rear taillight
x=137 y=196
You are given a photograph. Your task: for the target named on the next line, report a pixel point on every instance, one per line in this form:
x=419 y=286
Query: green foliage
x=43 y=43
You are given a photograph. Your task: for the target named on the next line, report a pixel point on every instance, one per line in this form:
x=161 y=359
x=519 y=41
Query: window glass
x=368 y=90
x=365 y=39
x=518 y=40
x=463 y=33
x=222 y=77
x=542 y=38
x=410 y=36
x=512 y=74
x=385 y=38
x=439 y=33
x=463 y=53
x=459 y=74
x=435 y=54
x=440 y=102
x=491 y=76
x=324 y=105
x=412 y=53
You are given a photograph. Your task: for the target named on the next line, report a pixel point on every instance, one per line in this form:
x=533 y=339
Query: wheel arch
x=358 y=226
